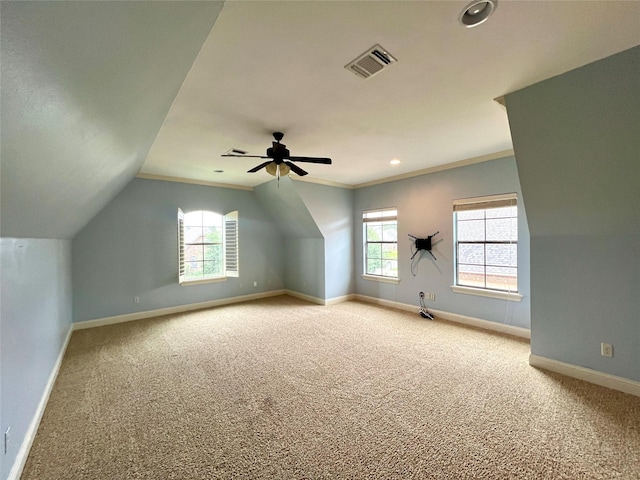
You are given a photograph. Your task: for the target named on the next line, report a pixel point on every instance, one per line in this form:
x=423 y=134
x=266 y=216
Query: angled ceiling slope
x=85 y=89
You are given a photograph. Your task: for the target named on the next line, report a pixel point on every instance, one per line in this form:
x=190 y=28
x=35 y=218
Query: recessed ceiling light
x=477 y=12
x=395 y=161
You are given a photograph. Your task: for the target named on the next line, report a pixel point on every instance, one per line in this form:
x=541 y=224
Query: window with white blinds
x=207 y=246
x=380 y=232
x=486 y=242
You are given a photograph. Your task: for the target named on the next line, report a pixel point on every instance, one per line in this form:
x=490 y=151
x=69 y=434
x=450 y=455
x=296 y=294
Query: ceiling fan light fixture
x=477 y=12
x=272 y=168
x=276 y=170
x=284 y=170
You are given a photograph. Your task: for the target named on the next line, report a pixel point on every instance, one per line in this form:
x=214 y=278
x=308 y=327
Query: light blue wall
x=577 y=144
x=425 y=206
x=35 y=322
x=305 y=266
x=303 y=246
x=130 y=249
x=332 y=210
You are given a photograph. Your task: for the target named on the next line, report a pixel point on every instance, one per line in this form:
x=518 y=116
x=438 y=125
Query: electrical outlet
x=136 y=299
x=255 y=284
x=606 y=350
x=5 y=441
x=432 y=297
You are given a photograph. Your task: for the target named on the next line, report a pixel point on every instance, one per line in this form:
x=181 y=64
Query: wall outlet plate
x=606 y=350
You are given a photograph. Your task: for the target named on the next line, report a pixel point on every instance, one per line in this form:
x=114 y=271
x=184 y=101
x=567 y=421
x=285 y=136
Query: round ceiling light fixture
x=477 y=12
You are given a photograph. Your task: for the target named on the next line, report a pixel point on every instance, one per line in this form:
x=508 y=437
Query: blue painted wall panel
x=425 y=205
x=130 y=250
x=577 y=144
x=35 y=321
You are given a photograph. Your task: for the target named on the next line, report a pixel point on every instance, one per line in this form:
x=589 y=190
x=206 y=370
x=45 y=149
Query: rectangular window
x=486 y=242
x=381 y=242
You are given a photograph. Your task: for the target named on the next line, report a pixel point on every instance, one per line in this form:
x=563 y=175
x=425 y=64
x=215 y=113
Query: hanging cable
x=424 y=313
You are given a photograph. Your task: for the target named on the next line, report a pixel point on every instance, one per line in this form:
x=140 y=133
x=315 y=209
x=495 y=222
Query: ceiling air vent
x=371 y=62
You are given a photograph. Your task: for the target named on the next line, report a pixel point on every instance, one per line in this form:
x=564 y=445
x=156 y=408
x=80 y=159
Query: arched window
x=207 y=246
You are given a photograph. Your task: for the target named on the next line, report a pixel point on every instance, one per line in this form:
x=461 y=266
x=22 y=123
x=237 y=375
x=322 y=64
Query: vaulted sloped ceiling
x=287 y=209
x=94 y=92
x=86 y=87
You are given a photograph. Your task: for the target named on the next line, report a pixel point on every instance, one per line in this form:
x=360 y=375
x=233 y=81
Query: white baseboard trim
x=486 y=324
x=304 y=296
x=129 y=317
x=30 y=435
x=453 y=317
x=320 y=301
x=387 y=303
x=99 y=322
x=336 y=300
x=588 y=375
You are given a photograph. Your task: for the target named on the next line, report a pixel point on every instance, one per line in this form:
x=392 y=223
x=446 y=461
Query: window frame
x=380 y=215
x=485 y=203
x=229 y=253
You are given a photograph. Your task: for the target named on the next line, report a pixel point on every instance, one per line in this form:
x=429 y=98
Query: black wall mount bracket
x=423 y=244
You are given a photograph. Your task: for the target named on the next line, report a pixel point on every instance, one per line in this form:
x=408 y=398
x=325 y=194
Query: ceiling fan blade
x=296 y=169
x=326 y=161
x=256 y=168
x=244 y=156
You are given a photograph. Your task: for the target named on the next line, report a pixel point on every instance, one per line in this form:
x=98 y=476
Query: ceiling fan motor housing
x=278 y=152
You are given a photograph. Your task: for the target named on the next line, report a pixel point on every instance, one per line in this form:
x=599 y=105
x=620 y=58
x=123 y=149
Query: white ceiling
x=269 y=66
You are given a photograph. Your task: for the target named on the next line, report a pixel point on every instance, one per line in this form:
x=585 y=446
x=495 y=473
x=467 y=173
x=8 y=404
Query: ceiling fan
x=280 y=161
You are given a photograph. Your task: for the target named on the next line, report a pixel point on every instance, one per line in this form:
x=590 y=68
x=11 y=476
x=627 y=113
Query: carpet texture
x=280 y=388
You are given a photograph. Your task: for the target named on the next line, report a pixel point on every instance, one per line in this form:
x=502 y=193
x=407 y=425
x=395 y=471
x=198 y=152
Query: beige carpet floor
x=283 y=389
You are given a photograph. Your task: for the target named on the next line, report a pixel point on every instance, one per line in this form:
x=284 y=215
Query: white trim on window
x=230 y=253
x=231 y=244
x=377 y=278
x=483 y=292
x=180 y=246
x=477 y=267
x=508 y=198
x=382 y=216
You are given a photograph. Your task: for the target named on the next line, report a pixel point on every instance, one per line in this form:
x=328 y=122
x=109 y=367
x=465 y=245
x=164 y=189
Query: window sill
x=481 y=292
x=376 y=278
x=204 y=280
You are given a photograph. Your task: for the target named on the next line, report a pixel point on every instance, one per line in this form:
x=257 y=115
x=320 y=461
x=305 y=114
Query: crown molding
x=439 y=168
x=318 y=181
